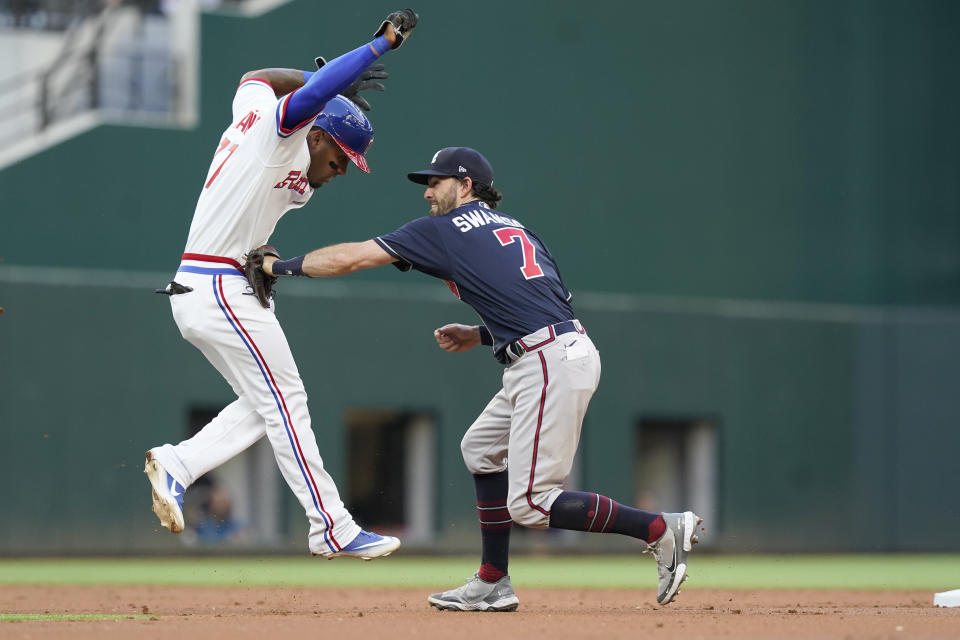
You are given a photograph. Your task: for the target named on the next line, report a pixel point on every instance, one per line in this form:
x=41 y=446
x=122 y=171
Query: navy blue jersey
x=491 y=262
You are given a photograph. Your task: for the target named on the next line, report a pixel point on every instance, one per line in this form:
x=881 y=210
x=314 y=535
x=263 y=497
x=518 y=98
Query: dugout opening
x=391 y=471
x=676 y=465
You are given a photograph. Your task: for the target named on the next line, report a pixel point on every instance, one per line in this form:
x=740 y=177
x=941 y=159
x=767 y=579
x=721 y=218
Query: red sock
x=489 y=573
x=656 y=529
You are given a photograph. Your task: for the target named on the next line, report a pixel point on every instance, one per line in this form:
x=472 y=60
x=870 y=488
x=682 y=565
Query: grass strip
x=936 y=572
x=67 y=617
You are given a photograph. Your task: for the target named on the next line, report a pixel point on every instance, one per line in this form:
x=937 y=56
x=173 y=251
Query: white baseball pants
x=245 y=343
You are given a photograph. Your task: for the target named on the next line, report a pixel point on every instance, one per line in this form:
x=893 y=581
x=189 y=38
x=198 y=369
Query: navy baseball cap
x=459 y=162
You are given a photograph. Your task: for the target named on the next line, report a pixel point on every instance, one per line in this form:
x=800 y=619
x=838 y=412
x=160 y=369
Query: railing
x=131 y=61
x=51 y=15
x=117 y=63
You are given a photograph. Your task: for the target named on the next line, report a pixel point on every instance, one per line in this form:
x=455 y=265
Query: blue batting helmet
x=345 y=122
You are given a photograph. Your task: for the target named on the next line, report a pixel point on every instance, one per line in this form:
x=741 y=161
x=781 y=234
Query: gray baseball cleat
x=167 y=494
x=478 y=595
x=671 y=550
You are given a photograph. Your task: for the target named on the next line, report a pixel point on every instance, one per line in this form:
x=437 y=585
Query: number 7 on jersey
x=507 y=235
x=224 y=144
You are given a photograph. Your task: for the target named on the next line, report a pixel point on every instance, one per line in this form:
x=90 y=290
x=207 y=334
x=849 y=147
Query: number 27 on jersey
x=225 y=146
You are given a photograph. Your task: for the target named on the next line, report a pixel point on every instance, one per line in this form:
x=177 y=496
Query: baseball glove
x=403 y=22
x=260 y=281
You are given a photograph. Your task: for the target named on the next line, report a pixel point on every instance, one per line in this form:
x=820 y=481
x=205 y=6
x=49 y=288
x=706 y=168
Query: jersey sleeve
x=253 y=95
x=254 y=106
x=418 y=245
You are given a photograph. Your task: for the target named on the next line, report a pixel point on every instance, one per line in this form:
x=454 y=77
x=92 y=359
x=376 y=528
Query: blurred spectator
x=210 y=519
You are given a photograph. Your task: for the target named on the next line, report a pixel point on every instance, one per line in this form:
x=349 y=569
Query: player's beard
x=444 y=201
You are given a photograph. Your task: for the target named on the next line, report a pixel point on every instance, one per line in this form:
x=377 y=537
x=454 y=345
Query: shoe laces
x=467 y=581
x=655 y=551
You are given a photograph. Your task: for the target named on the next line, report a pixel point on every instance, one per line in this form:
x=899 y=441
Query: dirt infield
x=557 y=614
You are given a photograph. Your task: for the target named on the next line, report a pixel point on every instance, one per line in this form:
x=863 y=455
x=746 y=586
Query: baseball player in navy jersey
x=502 y=269
x=290 y=134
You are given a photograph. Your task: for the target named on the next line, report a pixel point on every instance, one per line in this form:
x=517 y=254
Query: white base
x=947 y=599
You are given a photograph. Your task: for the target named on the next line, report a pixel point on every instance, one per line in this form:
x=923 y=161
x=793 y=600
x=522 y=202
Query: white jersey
x=258 y=173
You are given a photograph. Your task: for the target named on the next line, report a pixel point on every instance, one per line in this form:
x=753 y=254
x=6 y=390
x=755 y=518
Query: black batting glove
x=403 y=22
x=366 y=82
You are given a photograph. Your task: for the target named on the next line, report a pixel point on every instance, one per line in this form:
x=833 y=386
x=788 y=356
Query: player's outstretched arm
x=392 y=32
x=337 y=75
x=455 y=338
x=330 y=262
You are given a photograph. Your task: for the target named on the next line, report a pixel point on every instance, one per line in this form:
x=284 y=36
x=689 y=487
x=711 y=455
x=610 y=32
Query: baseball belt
x=518 y=348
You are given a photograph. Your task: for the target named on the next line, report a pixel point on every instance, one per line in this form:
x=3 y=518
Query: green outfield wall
x=836 y=430
x=756 y=205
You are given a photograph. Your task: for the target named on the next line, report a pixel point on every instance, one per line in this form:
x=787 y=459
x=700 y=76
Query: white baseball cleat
x=671 y=550
x=167 y=495
x=367 y=546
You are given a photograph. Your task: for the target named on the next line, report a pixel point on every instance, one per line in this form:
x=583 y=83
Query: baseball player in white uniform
x=290 y=134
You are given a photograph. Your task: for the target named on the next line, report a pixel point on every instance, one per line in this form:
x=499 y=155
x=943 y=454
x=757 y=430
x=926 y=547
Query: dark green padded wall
x=846 y=419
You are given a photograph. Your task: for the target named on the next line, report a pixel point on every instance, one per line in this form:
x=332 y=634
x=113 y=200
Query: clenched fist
x=457 y=337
